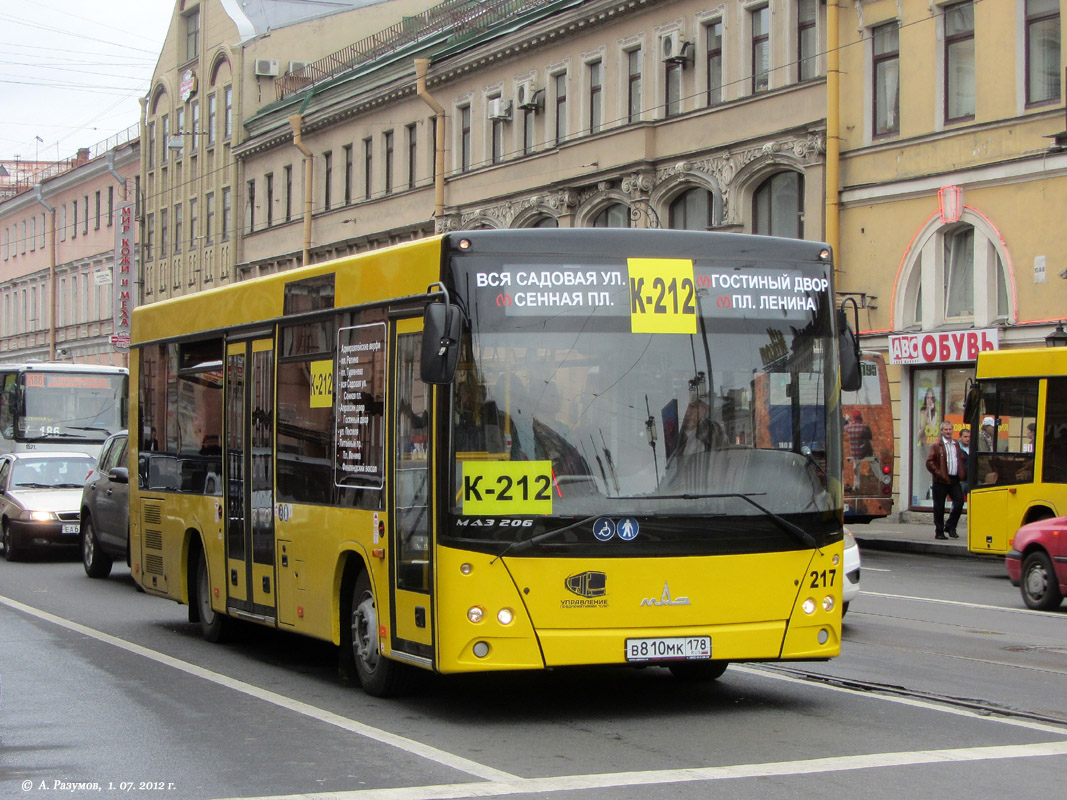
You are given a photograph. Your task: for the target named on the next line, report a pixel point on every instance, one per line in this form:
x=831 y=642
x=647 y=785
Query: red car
x=1037 y=563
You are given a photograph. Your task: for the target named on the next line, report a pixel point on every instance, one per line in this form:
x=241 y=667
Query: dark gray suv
x=105 y=509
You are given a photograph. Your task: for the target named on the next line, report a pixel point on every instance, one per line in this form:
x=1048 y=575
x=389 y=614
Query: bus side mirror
x=440 y=343
x=849 y=347
x=973 y=403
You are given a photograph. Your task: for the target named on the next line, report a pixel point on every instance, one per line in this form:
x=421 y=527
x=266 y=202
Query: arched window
x=693 y=210
x=543 y=222
x=778 y=206
x=614 y=216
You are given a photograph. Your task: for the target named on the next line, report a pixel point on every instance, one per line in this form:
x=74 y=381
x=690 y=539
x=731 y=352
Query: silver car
x=39 y=497
x=105 y=509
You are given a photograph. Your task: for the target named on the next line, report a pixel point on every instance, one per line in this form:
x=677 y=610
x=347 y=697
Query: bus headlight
x=809 y=605
x=505 y=616
x=828 y=603
x=475 y=614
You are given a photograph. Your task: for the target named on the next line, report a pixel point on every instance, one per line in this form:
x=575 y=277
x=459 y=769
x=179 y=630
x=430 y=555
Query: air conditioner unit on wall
x=499 y=108
x=675 y=48
x=266 y=67
x=297 y=66
x=528 y=96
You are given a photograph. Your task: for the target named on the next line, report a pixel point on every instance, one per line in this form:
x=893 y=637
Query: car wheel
x=698 y=671
x=844 y=609
x=12 y=552
x=1039 y=584
x=215 y=627
x=96 y=562
x=377 y=675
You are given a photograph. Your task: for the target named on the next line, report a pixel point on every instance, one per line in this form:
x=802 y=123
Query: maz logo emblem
x=665 y=599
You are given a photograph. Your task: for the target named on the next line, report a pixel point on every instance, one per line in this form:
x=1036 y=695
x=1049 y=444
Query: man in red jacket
x=947 y=464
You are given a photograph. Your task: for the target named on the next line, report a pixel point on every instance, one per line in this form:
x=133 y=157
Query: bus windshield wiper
x=521 y=545
x=789 y=527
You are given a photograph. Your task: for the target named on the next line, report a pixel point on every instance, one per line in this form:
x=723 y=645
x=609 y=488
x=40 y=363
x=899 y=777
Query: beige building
x=57 y=257
x=953 y=187
x=217 y=68
x=655 y=114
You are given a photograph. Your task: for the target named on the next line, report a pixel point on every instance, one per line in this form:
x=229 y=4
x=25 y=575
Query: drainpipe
x=421 y=67
x=39 y=194
x=295 y=121
x=113 y=171
x=833 y=128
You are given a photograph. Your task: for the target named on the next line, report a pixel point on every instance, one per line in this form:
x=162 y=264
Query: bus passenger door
x=411 y=524
x=249 y=420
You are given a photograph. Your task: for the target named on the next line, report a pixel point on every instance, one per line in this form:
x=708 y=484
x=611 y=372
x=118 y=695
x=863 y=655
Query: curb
x=926 y=548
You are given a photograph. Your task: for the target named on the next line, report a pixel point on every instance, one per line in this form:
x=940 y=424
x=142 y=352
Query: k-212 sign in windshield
x=660 y=295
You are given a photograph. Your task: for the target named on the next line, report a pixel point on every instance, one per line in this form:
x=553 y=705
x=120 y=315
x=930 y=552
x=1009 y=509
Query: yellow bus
x=503 y=450
x=1017 y=472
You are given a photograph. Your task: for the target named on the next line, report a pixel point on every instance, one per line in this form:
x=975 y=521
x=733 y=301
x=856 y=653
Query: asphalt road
x=945 y=684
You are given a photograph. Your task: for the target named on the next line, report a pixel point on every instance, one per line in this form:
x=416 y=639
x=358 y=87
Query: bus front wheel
x=1040 y=587
x=698 y=671
x=378 y=675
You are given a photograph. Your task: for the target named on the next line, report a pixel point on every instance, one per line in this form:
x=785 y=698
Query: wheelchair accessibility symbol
x=604 y=529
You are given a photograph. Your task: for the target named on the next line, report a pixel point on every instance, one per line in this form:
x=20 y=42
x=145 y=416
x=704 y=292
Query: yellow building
x=952 y=190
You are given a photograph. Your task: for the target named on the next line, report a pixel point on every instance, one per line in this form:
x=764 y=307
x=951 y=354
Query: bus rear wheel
x=214 y=626
x=698 y=671
x=1039 y=585
x=378 y=675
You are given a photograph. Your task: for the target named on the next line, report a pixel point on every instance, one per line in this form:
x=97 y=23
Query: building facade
x=952 y=189
x=57 y=259
x=652 y=114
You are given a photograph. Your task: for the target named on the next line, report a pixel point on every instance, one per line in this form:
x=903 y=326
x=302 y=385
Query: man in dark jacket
x=947 y=464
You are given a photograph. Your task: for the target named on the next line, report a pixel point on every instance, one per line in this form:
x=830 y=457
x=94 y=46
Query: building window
x=529 y=117
x=959 y=62
x=179 y=132
x=194 y=134
x=692 y=211
x=368 y=166
x=348 y=174
x=250 y=204
x=713 y=39
x=227 y=210
x=614 y=216
x=99 y=209
x=192 y=34
x=194 y=207
x=387 y=151
x=412 y=134
x=465 y=138
x=33 y=234
x=163 y=229
x=560 y=83
x=496 y=140
x=885 y=41
x=268 y=181
x=778 y=206
x=110 y=205
x=595 y=87
x=227 y=112
x=178 y=232
x=209 y=218
x=327 y=179
x=1042 y=51
x=958 y=282
x=85 y=217
x=73 y=227
x=761 y=48
x=633 y=94
x=288 y=192
x=673 y=84
x=164 y=150
x=212 y=118
x=807 y=41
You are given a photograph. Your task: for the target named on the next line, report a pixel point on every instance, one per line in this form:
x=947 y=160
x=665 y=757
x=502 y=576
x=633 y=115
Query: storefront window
x=937 y=394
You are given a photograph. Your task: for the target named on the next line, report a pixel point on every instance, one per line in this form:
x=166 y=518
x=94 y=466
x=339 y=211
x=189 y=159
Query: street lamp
x=1058 y=338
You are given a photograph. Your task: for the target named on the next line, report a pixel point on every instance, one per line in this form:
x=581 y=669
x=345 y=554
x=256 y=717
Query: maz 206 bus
x=1017 y=411
x=868 y=465
x=60 y=406
x=504 y=450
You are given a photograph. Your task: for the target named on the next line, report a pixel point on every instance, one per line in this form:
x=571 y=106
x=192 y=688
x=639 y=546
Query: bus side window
x=1055 y=445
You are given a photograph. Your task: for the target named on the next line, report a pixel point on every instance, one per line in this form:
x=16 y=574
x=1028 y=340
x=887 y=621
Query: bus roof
x=1022 y=363
x=64 y=366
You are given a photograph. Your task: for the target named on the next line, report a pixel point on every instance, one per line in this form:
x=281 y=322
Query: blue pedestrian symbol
x=628 y=529
x=604 y=529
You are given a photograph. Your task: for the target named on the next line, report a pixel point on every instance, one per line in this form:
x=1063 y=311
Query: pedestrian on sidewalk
x=945 y=462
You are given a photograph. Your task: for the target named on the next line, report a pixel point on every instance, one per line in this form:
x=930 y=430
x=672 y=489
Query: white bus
x=59 y=406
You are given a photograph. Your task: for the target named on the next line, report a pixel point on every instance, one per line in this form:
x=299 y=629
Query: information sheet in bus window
x=359 y=428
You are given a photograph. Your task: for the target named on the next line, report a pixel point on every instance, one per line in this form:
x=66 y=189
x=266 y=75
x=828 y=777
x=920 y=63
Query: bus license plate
x=72 y=527
x=668 y=648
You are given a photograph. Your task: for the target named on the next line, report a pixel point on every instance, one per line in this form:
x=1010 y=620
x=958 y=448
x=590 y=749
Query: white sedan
x=851 y=586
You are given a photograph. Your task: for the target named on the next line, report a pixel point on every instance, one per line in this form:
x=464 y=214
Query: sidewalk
x=915 y=534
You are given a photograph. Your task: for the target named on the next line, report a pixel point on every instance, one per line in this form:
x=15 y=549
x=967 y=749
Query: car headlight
x=39 y=516
x=850 y=540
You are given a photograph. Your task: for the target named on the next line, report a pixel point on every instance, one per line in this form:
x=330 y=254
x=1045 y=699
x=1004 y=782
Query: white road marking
x=960 y=603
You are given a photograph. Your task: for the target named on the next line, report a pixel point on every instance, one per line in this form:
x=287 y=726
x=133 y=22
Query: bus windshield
x=80 y=407
x=728 y=418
